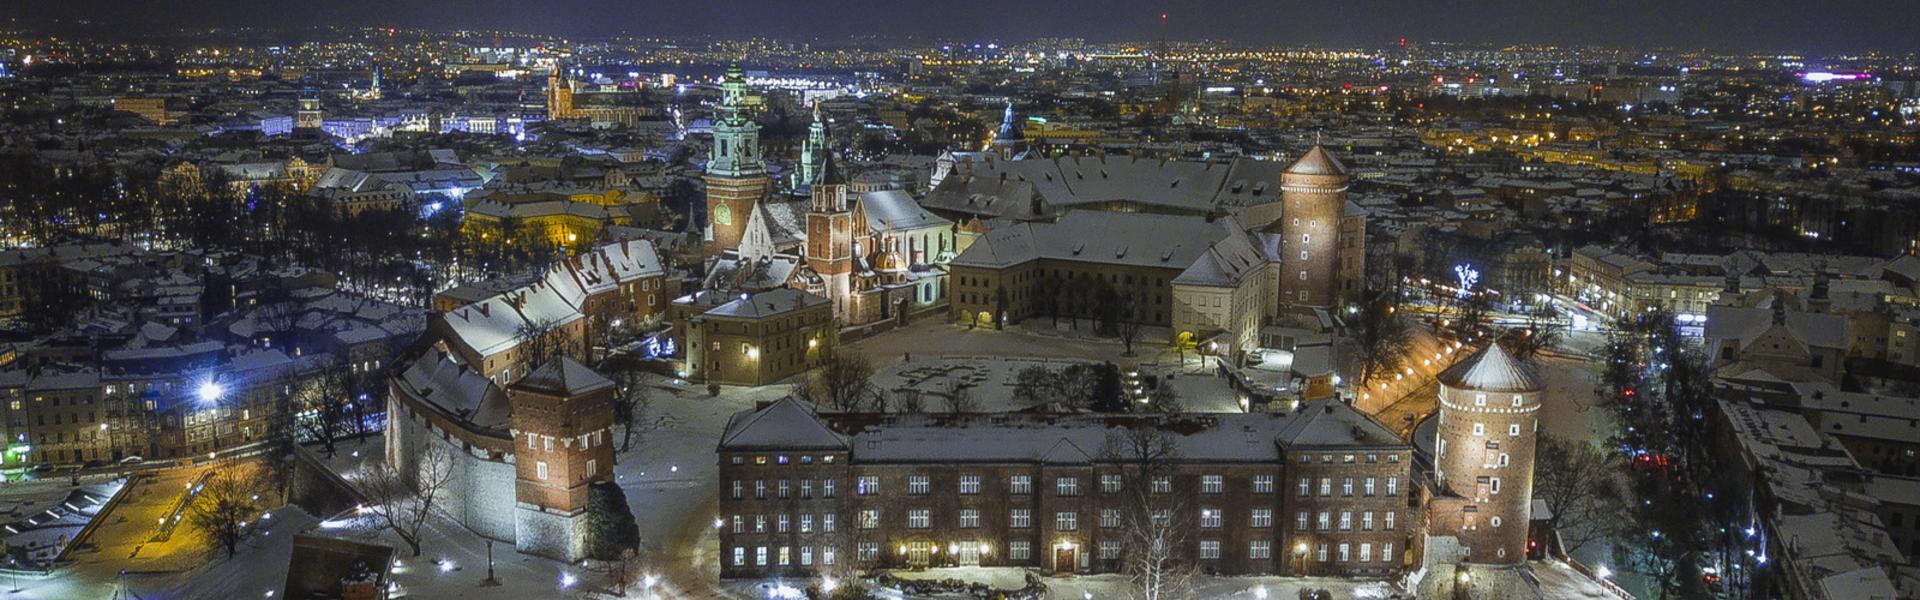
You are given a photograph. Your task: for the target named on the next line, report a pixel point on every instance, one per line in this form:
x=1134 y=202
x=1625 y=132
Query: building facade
x=1322 y=491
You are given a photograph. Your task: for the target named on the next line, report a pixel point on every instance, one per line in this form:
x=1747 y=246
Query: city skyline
x=1850 y=26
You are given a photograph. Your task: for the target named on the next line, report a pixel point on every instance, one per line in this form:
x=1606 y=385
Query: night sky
x=1818 y=26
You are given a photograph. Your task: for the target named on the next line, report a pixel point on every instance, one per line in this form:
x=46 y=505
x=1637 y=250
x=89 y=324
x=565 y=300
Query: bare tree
x=1145 y=454
x=959 y=397
x=539 y=342
x=1579 y=484
x=223 y=510
x=1130 y=326
x=633 y=406
x=842 y=382
x=1383 y=340
x=1164 y=399
x=402 y=501
x=328 y=392
x=1526 y=342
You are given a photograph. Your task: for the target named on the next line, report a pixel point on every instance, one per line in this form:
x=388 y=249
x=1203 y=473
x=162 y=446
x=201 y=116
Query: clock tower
x=736 y=178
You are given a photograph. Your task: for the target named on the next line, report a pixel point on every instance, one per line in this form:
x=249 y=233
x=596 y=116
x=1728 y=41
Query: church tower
x=559 y=95
x=736 y=178
x=814 y=151
x=1010 y=141
x=1313 y=194
x=561 y=418
x=309 y=116
x=831 y=245
x=1483 y=455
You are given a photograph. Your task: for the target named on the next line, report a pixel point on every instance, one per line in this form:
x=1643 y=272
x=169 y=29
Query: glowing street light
x=210 y=391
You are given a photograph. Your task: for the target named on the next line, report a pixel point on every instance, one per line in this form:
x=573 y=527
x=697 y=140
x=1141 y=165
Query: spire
x=1317 y=161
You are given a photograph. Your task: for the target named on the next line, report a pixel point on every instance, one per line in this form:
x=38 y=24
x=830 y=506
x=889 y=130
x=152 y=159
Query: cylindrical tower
x=1313 y=193
x=1489 y=421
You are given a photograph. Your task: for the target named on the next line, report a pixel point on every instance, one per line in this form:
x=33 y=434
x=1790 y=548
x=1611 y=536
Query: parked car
x=132 y=460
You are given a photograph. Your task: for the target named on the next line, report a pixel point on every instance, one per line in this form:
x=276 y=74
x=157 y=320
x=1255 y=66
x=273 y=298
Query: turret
x=1313 y=194
x=1484 y=453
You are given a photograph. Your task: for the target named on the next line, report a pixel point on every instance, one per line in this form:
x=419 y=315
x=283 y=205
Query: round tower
x=1483 y=458
x=1313 y=194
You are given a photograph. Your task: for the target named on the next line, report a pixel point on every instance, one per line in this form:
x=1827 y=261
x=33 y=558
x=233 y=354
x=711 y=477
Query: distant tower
x=831 y=245
x=1009 y=141
x=814 y=151
x=561 y=419
x=736 y=179
x=374 y=91
x=309 y=116
x=1489 y=422
x=559 y=96
x=1313 y=194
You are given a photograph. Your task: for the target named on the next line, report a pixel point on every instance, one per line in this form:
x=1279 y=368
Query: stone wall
x=481 y=490
x=550 y=534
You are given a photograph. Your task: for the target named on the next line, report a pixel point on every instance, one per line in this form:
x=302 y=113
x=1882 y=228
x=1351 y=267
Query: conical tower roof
x=830 y=172
x=563 y=376
x=1491 y=369
x=1317 y=161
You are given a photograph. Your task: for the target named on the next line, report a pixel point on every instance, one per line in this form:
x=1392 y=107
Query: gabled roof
x=1329 y=422
x=563 y=376
x=786 y=424
x=1491 y=369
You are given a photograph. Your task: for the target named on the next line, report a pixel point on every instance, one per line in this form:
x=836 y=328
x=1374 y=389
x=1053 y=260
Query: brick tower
x=1313 y=192
x=1489 y=423
x=562 y=419
x=831 y=230
x=736 y=178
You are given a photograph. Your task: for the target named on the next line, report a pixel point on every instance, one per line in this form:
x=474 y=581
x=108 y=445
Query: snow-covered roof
x=1491 y=369
x=563 y=376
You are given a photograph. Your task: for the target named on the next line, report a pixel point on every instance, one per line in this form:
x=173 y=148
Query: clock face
x=722 y=214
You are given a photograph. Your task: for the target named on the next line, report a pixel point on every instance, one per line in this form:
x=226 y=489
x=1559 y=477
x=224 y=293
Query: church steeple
x=813 y=152
x=736 y=138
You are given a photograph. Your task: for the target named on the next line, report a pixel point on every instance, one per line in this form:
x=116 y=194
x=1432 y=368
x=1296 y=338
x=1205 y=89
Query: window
x=826 y=522
x=1495 y=521
x=1366 y=552
x=1300 y=521
x=759 y=523
x=919 y=518
x=1263 y=484
x=1479 y=399
x=1020 y=551
x=969 y=484
x=1496 y=485
x=1021 y=518
x=918 y=485
x=1109 y=484
x=1325 y=519
x=1513 y=430
x=1260 y=550
x=870 y=519
x=1263 y=517
x=867 y=485
x=739 y=525
x=1517 y=399
x=806 y=523
x=1393 y=486
x=826 y=556
x=1209 y=518
x=1020 y=484
x=737 y=489
x=806 y=488
x=969 y=518
x=1346 y=487
x=784 y=524
x=1162 y=484
x=1306 y=484
x=1346 y=520
x=1366 y=521
x=1343 y=552
x=1109 y=518
x=1388 y=522
x=1209 y=549
x=826 y=488
x=1066 y=521
x=1479 y=429
x=1066 y=486
x=783 y=489
x=1504 y=459
x=806 y=556
x=760 y=556
x=1386 y=552
x=759 y=489
x=540 y=470
x=867 y=551
x=739 y=556
x=1320 y=554
x=1326 y=486
x=1212 y=484
x=1109 y=550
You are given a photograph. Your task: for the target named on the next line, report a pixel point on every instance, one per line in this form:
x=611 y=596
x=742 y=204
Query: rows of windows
x=1109 y=518
x=1065 y=486
x=1368 y=488
x=1017 y=551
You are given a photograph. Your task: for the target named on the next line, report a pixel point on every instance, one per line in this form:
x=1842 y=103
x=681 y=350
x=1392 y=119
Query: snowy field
x=991 y=381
